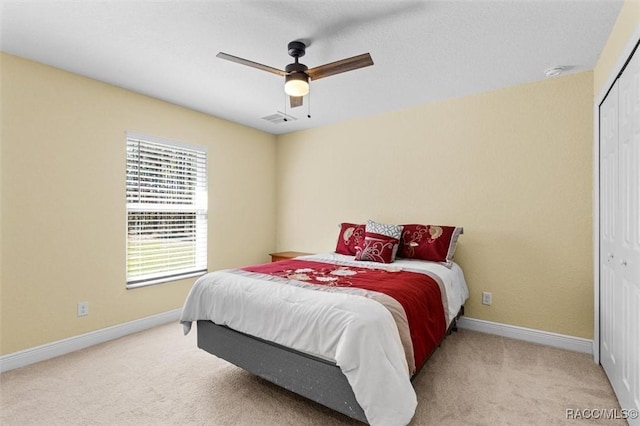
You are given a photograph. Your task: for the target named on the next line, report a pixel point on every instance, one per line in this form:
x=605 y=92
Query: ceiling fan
x=297 y=75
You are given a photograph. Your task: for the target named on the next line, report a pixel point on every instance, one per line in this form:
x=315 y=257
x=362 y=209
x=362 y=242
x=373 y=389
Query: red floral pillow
x=380 y=242
x=377 y=248
x=429 y=242
x=351 y=235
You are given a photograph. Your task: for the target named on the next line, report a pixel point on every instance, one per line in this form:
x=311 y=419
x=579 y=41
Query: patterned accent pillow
x=393 y=231
x=429 y=242
x=351 y=235
x=380 y=242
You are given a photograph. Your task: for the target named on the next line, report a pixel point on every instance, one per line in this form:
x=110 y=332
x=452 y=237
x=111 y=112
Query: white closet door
x=620 y=237
x=609 y=309
x=629 y=241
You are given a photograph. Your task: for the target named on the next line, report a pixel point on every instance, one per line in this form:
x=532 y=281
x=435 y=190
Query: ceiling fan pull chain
x=285 y=106
x=309 y=105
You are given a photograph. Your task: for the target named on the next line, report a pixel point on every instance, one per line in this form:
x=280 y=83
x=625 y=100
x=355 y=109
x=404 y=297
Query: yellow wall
x=627 y=22
x=513 y=167
x=63 y=200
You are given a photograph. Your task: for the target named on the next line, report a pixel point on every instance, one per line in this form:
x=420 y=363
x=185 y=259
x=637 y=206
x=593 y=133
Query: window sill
x=147 y=283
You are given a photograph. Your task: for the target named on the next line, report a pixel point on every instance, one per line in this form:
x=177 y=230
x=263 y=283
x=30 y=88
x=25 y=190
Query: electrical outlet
x=83 y=309
x=486 y=298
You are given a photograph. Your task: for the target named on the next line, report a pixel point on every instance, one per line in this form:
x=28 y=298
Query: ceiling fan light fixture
x=296 y=84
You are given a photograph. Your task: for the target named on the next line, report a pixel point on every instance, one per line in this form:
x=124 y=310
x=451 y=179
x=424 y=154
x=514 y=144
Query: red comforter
x=418 y=294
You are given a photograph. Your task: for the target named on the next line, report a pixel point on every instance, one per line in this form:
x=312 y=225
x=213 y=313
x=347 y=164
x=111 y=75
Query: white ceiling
x=424 y=51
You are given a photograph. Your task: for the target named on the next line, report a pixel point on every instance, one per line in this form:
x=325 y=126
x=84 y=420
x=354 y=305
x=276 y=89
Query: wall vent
x=279 y=117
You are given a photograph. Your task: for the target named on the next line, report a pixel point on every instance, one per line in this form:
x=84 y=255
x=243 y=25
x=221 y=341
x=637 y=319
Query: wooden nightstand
x=284 y=255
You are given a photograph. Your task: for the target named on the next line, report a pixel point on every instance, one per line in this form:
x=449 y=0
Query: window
x=166 y=210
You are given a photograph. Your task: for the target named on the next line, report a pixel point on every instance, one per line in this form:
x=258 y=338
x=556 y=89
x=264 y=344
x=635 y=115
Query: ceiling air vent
x=279 y=117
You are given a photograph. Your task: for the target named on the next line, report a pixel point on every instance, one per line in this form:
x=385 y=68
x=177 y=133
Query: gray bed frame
x=312 y=377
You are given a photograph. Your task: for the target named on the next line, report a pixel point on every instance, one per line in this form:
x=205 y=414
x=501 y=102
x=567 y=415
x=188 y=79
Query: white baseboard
x=562 y=341
x=71 y=344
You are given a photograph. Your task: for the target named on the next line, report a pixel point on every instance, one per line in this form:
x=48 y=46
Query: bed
x=301 y=324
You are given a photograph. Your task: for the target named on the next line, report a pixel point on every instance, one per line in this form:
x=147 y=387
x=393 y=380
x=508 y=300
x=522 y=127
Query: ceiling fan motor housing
x=295 y=67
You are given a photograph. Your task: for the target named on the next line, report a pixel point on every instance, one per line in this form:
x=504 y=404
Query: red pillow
x=351 y=235
x=377 y=248
x=429 y=242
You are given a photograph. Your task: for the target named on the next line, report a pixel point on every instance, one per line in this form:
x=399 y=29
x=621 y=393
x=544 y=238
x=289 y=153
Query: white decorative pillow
x=393 y=231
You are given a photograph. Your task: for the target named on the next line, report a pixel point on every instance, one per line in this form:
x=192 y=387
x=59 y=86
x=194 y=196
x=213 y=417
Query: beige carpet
x=159 y=377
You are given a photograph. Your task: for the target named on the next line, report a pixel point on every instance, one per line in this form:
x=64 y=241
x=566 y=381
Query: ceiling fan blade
x=295 y=101
x=251 y=64
x=343 y=65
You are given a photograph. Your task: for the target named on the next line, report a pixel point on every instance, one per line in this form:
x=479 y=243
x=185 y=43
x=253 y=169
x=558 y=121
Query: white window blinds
x=166 y=211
